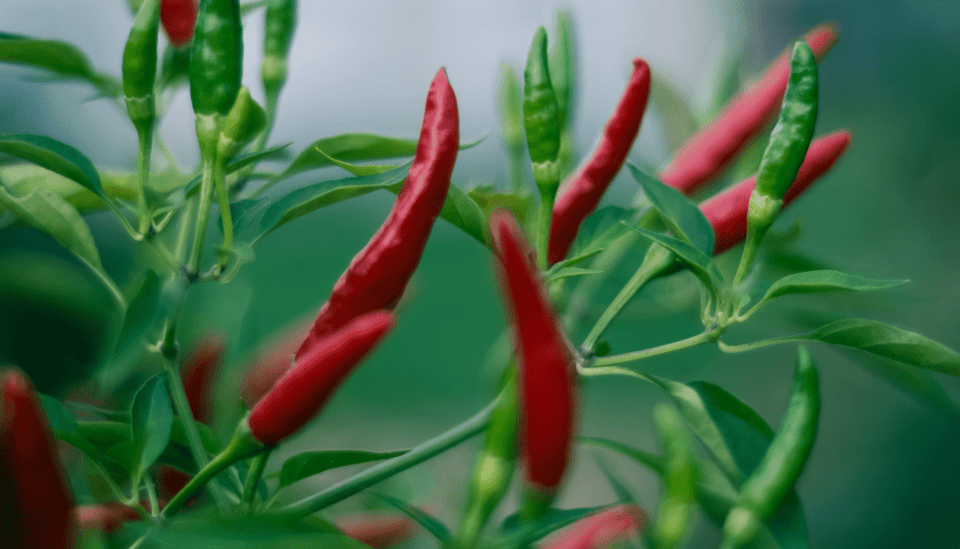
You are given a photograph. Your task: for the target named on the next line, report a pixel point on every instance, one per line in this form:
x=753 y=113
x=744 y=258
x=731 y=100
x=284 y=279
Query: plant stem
x=203 y=212
x=756 y=344
x=223 y=196
x=143 y=166
x=386 y=469
x=216 y=466
x=253 y=478
x=704 y=337
x=656 y=262
x=543 y=227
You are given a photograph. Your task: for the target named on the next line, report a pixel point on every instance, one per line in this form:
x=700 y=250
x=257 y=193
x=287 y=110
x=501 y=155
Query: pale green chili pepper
x=216 y=65
x=785 y=152
x=279 y=23
x=562 y=75
x=541 y=114
x=140 y=67
x=511 y=123
x=783 y=461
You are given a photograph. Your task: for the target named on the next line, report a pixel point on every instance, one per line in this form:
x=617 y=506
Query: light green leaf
x=681 y=216
x=568 y=272
x=238 y=163
x=307 y=464
x=151 y=417
x=679 y=478
x=679 y=121
x=62 y=58
x=141 y=312
x=55 y=156
x=436 y=528
x=462 y=212
x=699 y=263
x=823 y=281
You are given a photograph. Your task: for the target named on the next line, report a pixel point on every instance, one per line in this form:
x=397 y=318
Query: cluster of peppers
x=534 y=422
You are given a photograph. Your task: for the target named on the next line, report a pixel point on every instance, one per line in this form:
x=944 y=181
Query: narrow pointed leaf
x=151 y=418
x=682 y=216
x=436 y=528
x=306 y=464
x=55 y=156
x=824 y=281
x=698 y=262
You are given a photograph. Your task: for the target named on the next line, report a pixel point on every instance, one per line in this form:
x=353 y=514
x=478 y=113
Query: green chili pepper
x=785 y=152
x=541 y=115
x=562 y=68
x=140 y=67
x=245 y=120
x=511 y=123
x=783 y=461
x=216 y=65
x=279 y=23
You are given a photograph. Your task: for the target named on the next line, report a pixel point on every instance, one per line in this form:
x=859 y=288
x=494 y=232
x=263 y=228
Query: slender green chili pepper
x=216 y=65
x=783 y=461
x=563 y=76
x=541 y=115
x=140 y=67
x=511 y=124
x=785 y=152
x=179 y=17
x=279 y=24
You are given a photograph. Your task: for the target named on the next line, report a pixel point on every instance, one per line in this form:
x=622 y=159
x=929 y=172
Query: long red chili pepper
x=179 y=17
x=41 y=499
x=271 y=363
x=582 y=192
x=601 y=530
x=709 y=152
x=546 y=373
x=727 y=211
x=378 y=530
x=378 y=275
x=300 y=394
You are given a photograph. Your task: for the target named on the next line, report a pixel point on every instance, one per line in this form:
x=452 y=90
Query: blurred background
x=884 y=470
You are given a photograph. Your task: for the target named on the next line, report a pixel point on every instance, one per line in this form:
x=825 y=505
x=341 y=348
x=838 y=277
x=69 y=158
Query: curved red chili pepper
x=271 y=363
x=378 y=275
x=105 y=517
x=300 y=394
x=378 y=530
x=582 y=192
x=601 y=530
x=179 y=17
x=41 y=499
x=546 y=375
x=709 y=152
x=727 y=211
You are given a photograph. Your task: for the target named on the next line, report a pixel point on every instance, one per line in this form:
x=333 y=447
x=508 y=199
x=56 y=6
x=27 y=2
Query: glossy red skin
x=179 y=18
x=546 y=374
x=378 y=275
x=727 y=211
x=303 y=391
x=41 y=498
x=105 y=517
x=601 y=530
x=583 y=190
x=379 y=530
x=710 y=151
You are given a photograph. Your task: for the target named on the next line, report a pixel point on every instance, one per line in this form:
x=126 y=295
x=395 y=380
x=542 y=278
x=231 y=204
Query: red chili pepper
x=105 y=517
x=378 y=530
x=601 y=530
x=546 y=375
x=727 y=211
x=378 y=275
x=582 y=192
x=300 y=394
x=709 y=152
x=179 y=17
x=271 y=363
x=41 y=499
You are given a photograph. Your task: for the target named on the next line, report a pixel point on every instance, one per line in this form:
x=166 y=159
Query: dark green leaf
x=682 y=216
x=462 y=212
x=151 y=418
x=255 y=218
x=306 y=464
x=55 y=156
x=141 y=312
x=436 y=528
x=241 y=532
x=824 y=281
x=567 y=272
x=60 y=419
x=64 y=59
x=699 y=263
x=520 y=533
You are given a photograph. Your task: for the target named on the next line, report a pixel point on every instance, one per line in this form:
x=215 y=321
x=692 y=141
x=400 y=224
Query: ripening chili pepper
x=378 y=275
x=582 y=191
x=546 y=377
x=105 y=517
x=709 y=152
x=541 y=116
x=783 y=461
x=279 y=23
x=378 y=530
x=42 y=501
x=140 y=67
x=179 y=17
x=216 y=66
x=300 y=394
x=601 y=530
x=271 y=363
x=727 y=211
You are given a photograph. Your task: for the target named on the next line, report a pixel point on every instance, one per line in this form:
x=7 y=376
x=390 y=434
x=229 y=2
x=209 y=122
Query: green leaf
x=518 y=534
x=889 y=342
x=350 y=147
x=679 y=478
x=648 y=460
x=306 y=464
x=679 y=122
x=50 y=214
x=255 y=218
x=60 y=419
x=489 y=198
x=700 y=264
x=567 y=272
x=436 y=528
x=238 y=163
x=141 y=311
x=917 y=383
x=462 y=212
x=55 y=156
x=61 y=58
x=620 y=488
x=600 y=228
x=681 y=216
x=824 y=281
x=211 y=443
x=356 y=169
x=240 y=532
x=151 y=418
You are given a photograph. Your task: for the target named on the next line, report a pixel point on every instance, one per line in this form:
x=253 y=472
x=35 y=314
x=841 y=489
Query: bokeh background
x=884 y=470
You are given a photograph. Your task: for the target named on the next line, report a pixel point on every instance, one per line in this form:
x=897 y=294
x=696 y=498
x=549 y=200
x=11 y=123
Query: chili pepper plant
x=138 y=457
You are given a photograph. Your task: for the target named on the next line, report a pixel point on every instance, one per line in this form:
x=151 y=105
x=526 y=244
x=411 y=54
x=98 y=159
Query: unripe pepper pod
x=140 y=67
x=378 y=530
x=581 y=193
x=601 y=530
x=280 y=20
x=303 y=391
x=727 y=211
x=378 y=275
x=216 y=58
x=709 y=152
x=546 y=374
x=41 y=498
x=179 y=17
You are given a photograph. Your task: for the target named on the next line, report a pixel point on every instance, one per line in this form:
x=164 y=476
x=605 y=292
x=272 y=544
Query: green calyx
x=216 y=60
x=245 y=120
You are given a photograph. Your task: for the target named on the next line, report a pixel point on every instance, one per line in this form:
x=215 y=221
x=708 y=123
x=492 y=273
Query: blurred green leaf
x=700 y=264
x=681 y=216
x=436 y=528
x=823 y=281
x=55 y=156
x=62 y=58
x=917 y=383
x=489 y=198
x=151 y=418
x=307 y=464
x=620 y=488
x=141 y=311
x=679 y=122
x=568 y=272
x=679 y=478
x=241 y=532
x=518 y=534
x=238 y=163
